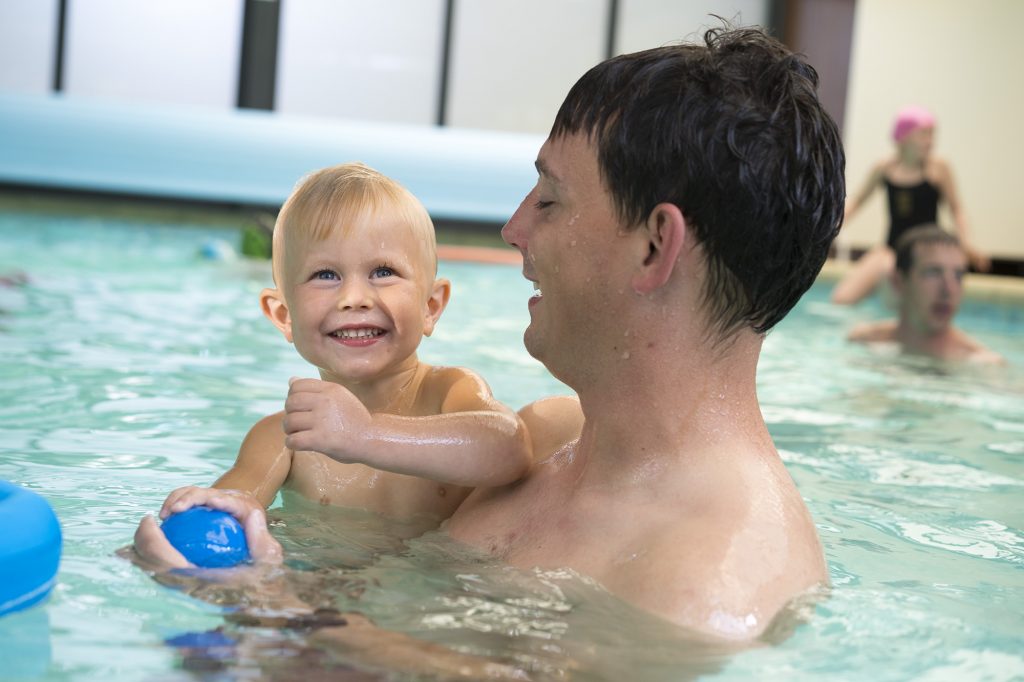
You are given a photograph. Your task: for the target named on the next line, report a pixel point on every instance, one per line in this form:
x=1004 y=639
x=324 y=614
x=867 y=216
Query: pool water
x=130 y=364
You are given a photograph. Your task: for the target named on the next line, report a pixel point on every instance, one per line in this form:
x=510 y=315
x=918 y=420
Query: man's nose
x=514 y=231
x=950 y=283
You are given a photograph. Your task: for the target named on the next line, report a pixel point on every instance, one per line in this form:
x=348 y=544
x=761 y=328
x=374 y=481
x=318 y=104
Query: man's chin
x=532 y=343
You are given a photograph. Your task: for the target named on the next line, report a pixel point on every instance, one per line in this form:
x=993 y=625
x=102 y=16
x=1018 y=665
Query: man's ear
x=440 y=292
x=664 y=233
x=276 y=310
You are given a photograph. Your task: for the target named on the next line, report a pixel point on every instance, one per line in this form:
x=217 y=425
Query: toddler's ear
x=439 y=295
x=276 y=310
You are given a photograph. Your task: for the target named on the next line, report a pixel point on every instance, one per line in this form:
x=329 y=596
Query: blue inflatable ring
x=30 y=544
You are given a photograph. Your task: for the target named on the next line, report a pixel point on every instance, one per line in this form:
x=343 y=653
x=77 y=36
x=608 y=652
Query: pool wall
x=252 y=157
x=979 y=287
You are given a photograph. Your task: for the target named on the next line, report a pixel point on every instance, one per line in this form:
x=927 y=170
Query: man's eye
x=541 y=205
x=325 y=275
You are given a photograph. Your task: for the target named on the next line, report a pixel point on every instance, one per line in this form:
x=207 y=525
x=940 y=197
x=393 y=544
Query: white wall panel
x=961 y=60
x=28 y=39
x=179 y=51
x=378 y=61
x=643 y=24
x=513 y=61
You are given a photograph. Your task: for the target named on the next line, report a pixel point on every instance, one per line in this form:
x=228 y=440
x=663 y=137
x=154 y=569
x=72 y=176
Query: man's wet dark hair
x=923 y=235
x=732 y=133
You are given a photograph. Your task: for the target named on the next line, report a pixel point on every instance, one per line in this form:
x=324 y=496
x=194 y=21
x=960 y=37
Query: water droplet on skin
x=557 y=269
x=572 y=220
x=627 y=333
x=625 y=355
x=572 y=243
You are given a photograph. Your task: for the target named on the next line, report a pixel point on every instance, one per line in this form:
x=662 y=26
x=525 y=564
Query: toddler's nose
x=355 y=295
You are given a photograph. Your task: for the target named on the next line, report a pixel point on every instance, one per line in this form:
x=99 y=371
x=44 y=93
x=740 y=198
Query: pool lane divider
x=252 y=157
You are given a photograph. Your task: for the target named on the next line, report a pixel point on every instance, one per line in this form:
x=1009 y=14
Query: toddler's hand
x=324 y=417
x=240 y=504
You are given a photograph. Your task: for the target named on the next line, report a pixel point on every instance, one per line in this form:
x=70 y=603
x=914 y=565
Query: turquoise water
x=130 y=365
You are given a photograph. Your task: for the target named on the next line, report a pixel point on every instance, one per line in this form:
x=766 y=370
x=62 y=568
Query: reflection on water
x=130 y=366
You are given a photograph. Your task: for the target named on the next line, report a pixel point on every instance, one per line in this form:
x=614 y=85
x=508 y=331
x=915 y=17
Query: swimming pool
x=130 y=365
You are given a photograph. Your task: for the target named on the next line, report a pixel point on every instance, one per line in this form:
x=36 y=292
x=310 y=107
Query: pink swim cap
x=909 y=119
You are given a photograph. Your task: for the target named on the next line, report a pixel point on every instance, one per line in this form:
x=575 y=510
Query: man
x=930 y=267
x=687 y=197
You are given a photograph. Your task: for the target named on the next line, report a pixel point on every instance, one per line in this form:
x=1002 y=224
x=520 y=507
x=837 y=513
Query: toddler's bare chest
x=321 y=479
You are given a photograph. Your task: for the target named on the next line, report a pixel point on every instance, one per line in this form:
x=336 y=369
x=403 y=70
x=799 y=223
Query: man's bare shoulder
x=974 y=352
x=873 y=332
x=728 y=567
x=552 y=423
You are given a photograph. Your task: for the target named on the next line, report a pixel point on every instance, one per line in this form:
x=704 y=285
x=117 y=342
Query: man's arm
x=976 y=352
x=475 y=441
x=267 y=595
x=872 y=332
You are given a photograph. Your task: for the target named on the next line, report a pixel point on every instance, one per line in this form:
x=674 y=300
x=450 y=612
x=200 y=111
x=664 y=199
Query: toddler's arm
x=244 y=491
x=474 y=441
x=259 y=471
x=263 y=462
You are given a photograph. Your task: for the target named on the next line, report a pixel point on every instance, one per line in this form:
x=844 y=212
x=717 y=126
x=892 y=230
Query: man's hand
x=324 y=417
x=153 y=548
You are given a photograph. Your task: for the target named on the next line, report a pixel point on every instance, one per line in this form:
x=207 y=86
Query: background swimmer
x=930 y=266
x=354 y=266
x=915 y=182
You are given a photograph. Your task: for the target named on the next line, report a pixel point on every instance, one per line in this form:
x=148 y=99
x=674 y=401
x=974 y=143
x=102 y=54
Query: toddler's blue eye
x=325 y=274
x=382 y=271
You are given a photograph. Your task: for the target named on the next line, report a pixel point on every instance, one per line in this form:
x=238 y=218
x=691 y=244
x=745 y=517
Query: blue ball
x=207 y=537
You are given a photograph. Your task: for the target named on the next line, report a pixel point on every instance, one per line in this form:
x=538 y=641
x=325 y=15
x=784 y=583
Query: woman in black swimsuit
x=915 y=182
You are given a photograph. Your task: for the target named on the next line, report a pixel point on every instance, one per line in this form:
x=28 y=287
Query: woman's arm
x=947 y=186
x=874 y=179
